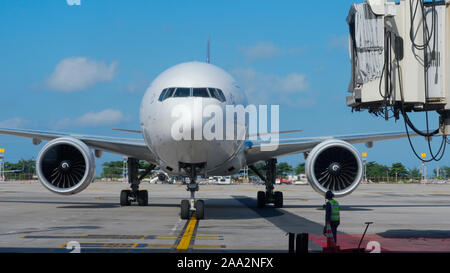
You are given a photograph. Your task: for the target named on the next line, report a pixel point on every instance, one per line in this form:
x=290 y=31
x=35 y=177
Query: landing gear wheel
x=124 y=198
x=184 y=209
x=142 y=198
x=200 y=209
x=278 y=199
x=261 y=199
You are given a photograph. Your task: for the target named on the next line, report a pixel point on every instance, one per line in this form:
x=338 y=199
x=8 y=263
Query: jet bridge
x=400 y=59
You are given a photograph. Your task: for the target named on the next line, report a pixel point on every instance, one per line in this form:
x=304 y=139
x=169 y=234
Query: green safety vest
x=334 y=211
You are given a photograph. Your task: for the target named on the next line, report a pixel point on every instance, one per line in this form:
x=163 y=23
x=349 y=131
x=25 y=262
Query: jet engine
x=334 y=165
x=162 y=177
x=65 y=166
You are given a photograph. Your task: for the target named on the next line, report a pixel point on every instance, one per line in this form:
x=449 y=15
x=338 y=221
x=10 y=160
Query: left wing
x=255 y=149
x=135 y=148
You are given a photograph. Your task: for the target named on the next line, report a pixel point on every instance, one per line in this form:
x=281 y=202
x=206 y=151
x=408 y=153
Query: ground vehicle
x=224 y=180
x=285 y=181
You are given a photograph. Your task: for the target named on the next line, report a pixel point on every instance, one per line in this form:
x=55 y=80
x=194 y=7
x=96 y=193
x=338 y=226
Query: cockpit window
x=163 y=93
x=217 y=94
x=213 y=93
x=200 y=92
x=182 y=92
x=166 y=93
x=221 y=95
x=169 y=93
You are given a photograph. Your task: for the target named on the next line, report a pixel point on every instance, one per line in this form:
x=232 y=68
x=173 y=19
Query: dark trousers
x=334 y=226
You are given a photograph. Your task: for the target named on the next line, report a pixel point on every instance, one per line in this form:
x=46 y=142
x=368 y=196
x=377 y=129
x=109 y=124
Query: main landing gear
x=269 y=196
x=188 y=207
x=135 y=195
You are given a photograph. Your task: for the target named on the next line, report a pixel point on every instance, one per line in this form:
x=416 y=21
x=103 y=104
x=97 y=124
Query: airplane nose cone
x=188 y=138
x=183 y=136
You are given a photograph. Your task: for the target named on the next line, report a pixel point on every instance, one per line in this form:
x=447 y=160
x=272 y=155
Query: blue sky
x=119 y=47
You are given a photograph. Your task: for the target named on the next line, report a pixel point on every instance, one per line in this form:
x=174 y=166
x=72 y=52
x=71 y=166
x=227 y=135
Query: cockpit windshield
x=183 y=92
x=163 y=93
x=217 y=94
x=166 y=93
x=169 y=93
x=200 y=92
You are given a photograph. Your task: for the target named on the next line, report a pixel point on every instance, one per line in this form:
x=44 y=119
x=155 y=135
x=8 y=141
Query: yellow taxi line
x=187 y=236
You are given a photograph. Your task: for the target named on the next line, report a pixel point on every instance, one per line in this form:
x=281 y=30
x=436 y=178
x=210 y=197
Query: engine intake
x=334 y=165
x=65 y=165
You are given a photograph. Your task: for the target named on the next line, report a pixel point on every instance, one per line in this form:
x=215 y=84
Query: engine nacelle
x=162 y=177
x=65 y=166
x=334 y=165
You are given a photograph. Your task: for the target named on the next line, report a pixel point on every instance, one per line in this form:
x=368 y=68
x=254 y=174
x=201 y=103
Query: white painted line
x=174 y=229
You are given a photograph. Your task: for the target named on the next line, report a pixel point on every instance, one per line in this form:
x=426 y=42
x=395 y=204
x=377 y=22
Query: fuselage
x=179 y=109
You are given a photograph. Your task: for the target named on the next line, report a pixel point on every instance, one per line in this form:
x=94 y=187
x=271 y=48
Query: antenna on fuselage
x=207 y=52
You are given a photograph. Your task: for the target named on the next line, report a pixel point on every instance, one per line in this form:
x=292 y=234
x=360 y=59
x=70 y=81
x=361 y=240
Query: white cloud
x=78 y=73
x=62 y=123
x=267 y=51
x=293 y=82
x=261 y=51
x=338 y=42
x=106 y=117
x=270 y=88
x=14 y=123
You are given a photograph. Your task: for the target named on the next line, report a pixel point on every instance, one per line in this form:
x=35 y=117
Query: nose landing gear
x=188 y=207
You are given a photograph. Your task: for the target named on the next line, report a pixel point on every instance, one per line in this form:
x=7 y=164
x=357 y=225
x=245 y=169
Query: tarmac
x=406 y=218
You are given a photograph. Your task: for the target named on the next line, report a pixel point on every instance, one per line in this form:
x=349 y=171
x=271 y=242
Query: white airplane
x=66 y=165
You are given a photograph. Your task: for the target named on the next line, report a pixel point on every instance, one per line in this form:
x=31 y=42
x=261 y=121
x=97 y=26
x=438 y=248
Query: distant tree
x=300 y=168
x=444 y=172
x=376 y=172
x=398 y=170
x=112 y=169
x=283 y=169
x=28 y=166
x=23 y=169
x=17 y=167
x=414 y=174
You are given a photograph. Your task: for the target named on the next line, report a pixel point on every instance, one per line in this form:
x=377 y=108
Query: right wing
x=260 y=151
x=135 y=148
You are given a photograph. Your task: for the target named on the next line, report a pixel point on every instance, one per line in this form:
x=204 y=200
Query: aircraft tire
x=200 y=209
x=142 y=198
x=278 y=202
x=124 y=198
x=261 y=199
x=184 y=209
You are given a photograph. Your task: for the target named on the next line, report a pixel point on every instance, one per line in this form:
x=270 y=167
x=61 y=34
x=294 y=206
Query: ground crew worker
x=332 y=214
